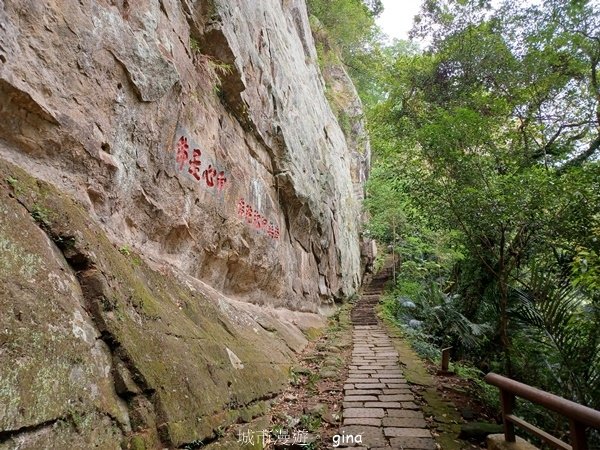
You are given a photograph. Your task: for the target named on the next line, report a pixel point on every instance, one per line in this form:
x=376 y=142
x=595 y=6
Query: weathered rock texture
x=173 y=185
x=347 y=107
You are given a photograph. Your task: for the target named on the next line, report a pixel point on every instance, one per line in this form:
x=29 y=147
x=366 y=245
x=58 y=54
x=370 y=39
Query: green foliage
x=310 y=422
x=389 y=308
x=41 y=214
x=586 y=262
x=485 y=393
x=379 y=261
x=312 y=380
x=220 y=69
x=435 y=317
x=485 y=181
x=15 y=185
x=295 y=378
x=217 y=70
x=349 y=23
x=126 y=251
x=195 y=45
x=345 y=31
x=567 y=325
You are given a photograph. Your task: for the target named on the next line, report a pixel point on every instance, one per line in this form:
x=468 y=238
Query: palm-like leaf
x=559 y=313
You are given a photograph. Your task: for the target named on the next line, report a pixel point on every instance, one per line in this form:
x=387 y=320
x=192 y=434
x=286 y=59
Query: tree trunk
x=503 y=286
x=504 y=336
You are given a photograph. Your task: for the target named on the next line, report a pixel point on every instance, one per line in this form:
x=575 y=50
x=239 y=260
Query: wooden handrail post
x=446 y=359
x=508 y=405
x=580 y=417
x=578 y=439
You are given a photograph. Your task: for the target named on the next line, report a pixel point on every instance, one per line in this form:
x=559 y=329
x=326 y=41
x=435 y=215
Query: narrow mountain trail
x=379 y=409
x=357 y=385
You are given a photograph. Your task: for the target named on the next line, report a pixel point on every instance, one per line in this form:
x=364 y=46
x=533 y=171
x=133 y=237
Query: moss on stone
x=251 y=412
x=177 y=352
x=137 y=443
x=312 y=333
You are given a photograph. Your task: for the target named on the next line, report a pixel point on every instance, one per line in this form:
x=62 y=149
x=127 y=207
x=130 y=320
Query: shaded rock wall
x=99 y=347
x=350 y=115
x=176 y=200
x=257 y=202
x=346 y=105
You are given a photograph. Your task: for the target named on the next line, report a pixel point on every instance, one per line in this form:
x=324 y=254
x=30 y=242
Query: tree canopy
x=486 y=177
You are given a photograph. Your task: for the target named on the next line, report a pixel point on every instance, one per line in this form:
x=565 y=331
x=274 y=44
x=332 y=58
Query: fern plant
x=442 y=321
x=568 y=322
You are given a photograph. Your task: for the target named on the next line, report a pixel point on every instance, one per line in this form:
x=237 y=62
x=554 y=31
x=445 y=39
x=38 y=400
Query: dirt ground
x=311 y=407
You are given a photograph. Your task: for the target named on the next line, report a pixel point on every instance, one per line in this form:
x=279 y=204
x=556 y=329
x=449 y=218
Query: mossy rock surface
x=75 y=306
x=53 y=366
x=478 y=431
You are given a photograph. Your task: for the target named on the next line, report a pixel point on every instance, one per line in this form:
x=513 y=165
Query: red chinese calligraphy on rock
x=195 y=164
x=257 y=220
x=221 y=180
x=254 y=218
x=209 y=175
x=241 y=208
x=182 y=152
x=273 y=231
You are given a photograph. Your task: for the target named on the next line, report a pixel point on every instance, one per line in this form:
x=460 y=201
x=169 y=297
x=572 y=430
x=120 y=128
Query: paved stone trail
x=378 y=402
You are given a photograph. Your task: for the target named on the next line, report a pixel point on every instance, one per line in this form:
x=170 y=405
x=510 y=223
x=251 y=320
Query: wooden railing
x=580 y=417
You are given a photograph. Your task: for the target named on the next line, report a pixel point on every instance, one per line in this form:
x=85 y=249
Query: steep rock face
x=347 y=107
x=172 y=178
x=256 y=199
x=99 y=347
x=349 y=111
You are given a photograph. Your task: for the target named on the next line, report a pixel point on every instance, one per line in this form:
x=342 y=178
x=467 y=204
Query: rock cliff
x=178 y=204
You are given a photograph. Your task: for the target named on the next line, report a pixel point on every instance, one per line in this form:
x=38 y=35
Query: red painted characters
x=195 y=164
x=254 y=218
x=213 y=178
x=221 y=180
x=182 y=152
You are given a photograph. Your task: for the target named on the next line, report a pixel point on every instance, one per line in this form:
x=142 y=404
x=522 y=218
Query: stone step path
x=363 y=312
x=378 y=403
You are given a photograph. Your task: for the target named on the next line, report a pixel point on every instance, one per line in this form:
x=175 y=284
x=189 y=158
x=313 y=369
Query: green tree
x=539 y=61
x=495 y=132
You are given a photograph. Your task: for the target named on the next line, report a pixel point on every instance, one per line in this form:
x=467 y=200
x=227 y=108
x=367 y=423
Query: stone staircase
x=363 y=312
x=379 y=409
